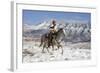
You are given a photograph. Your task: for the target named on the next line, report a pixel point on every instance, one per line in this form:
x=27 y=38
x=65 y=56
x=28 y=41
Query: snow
x=76 y=45
x=77 y=51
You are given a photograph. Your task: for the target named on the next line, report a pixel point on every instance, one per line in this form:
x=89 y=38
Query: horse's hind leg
x=41 y=42
x=52 y=46
x=43 y=48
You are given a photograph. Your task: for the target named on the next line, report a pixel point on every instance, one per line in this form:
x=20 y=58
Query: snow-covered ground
x=77 y=46
x=71 y=51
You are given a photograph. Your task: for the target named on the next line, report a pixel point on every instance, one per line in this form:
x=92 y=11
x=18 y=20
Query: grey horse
x=50 y=39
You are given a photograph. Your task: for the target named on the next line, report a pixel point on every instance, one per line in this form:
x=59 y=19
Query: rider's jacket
x=53 y=28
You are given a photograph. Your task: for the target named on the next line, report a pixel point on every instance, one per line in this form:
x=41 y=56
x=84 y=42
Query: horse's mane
x=59 y=30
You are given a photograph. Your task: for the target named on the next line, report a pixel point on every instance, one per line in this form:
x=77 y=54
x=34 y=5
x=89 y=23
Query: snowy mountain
x=78 y=32
x=75 y=31
x=43 y=25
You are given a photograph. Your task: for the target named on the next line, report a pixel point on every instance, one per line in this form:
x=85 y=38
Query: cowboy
x=52 y=30
x=53 y=27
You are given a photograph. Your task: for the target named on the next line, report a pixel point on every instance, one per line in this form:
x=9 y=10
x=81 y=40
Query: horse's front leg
x=53 y=43
x=61 y=49
x=47 y=48
x=52 y=47
x=60 y=46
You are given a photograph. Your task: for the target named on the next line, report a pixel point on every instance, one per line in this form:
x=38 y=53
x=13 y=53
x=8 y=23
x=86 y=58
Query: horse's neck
x=58 y=34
